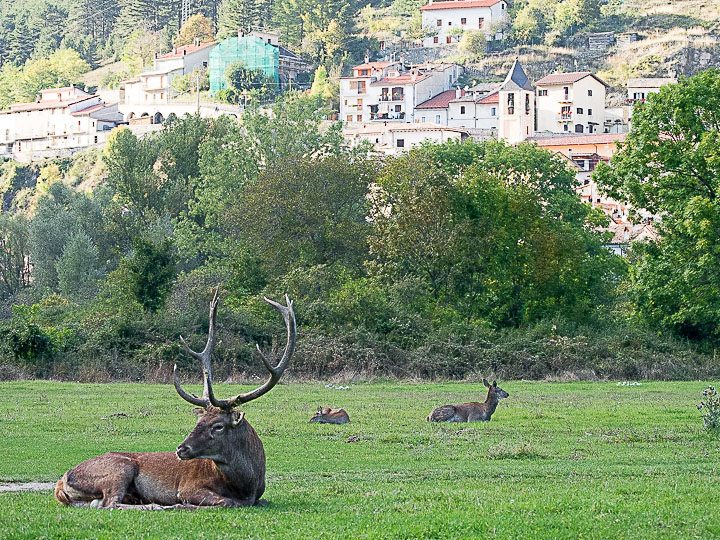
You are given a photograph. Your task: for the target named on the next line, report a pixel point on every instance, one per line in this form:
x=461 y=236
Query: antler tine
x=204 y=357
x=183 y=394
x=277 y=371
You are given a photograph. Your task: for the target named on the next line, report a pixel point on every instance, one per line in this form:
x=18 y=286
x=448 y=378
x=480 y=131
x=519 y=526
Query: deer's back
x=332 y=416
x=463 y=412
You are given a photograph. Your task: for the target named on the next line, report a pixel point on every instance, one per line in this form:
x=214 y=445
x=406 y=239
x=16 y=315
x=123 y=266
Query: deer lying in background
x=473 y=411
x=220 y=463
x=330 y=416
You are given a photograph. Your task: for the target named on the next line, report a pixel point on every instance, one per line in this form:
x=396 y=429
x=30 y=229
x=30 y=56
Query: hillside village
x=392 y=104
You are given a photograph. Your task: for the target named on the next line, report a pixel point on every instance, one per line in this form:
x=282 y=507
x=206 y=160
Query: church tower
x=516 y=114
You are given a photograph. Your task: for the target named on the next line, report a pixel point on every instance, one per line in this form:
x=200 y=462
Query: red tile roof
x=90 y=109
x=189 y=49
x=566 y=78
x=374 y=65
x=41 y=105
x=492 y=98
x=590 y=138
x=459 y=4
x=440 y=101
x=405 y=78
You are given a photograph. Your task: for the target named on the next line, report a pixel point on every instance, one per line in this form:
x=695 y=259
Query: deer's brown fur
x=220 y=463
x=472 y=411
x=330 y=416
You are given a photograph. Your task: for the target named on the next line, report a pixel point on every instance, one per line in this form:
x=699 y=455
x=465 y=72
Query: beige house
x=640 y=88
x=59 y=122
x=445 y=21
x=384 y=91
x=147 y=95
x=570 y=102
x=395 y=137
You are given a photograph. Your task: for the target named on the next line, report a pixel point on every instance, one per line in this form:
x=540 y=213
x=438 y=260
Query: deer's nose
x=183 y=450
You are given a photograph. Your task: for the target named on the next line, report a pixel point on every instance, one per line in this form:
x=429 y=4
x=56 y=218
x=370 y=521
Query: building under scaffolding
x=258 y=50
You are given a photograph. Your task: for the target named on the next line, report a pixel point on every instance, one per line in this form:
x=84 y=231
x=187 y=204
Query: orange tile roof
x=566 y=78
x=405 y=78
x=590 y=138
x=459 y=4
x=374 y=65
x=492 y=98
x=178 y=51
x=440 y=101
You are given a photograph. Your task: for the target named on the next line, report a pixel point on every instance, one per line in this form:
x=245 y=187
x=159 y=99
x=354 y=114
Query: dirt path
x=27 y=486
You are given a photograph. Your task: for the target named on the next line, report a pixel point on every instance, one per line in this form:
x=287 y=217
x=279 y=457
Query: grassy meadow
x=558 y=460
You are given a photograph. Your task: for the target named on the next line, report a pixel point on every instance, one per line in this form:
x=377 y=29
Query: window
x=578 y=128
x=436 y=40
x=589 y=111
x=565 y=128
x=527 y=103
x=542 y=92
x=449 y=23
x=400 y=143
x=359 y=117
x=422 y=119
x=589 y=92
x=463 y=20
x=398 y=108
x=448 y=39
x=161 y=95
x=462 y=109
x=346 y=102
x=364 y=72
x=511 y=103
x=493 y=111
x=439 y=22
x=591 y=128
x=579 y=110
x=566 y=90
x=481 y=22
x=349 y=118
x=96 y=139
x=437 y=118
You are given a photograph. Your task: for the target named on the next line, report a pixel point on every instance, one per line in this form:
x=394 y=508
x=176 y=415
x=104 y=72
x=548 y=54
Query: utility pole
x=185 y=11
x=197 y=92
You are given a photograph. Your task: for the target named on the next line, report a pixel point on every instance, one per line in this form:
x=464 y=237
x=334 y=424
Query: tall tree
x=196 y=27
x=669 y=165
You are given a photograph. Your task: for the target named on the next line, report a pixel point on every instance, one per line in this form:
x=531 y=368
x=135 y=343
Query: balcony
x=565 y=99
x=392 y=97
x=385 y=116
x=567 y=117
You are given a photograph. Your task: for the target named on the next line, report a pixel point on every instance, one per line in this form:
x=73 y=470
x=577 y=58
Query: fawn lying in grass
x=473 y=411
x=330 y=416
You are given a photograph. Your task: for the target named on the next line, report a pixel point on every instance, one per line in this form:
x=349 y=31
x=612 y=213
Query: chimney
x=367 y=59
x=174 y=50
x=458 y=92
x=196 y=42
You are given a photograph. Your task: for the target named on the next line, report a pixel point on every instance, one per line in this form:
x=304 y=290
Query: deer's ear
x=237 y=417
x=197 y=411
x=495 y=384
x=319 y=410
x=486 y=383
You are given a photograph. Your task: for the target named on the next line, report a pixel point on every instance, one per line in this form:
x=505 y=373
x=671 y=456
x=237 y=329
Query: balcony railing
x=393 y=97
x=567 y=117
x=388 y=116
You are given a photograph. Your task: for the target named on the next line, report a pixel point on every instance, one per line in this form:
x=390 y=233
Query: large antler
x=204 y=357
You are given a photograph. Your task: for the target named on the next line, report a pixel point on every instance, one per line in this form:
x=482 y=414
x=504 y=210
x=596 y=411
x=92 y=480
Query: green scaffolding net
x=251 y=50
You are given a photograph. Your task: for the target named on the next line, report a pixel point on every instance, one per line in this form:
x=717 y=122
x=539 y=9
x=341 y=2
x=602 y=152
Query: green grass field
x=558 y=460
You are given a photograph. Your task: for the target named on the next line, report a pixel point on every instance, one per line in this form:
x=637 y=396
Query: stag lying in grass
x=330 y=416
x=221 y=462
x=473 y=411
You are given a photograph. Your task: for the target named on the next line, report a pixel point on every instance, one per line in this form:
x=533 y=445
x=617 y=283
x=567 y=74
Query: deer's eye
x=218 y=428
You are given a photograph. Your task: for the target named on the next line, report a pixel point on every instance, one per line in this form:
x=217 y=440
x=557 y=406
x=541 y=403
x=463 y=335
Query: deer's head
x=219 y=422
x=495 y=390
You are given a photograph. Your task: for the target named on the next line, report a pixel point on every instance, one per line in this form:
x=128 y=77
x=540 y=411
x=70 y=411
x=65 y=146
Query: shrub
x=710 y=408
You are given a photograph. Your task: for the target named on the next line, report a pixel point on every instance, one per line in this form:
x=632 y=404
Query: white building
x=395 y=137
x=148 y=94
x=516 y=106
x=390 y=91
x=571 y=102
x=59 y=122
x=640 y=89
x=447 y=20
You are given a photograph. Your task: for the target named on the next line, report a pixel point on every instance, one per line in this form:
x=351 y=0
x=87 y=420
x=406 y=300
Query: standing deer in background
x=330 y=416
x=220 y=463
x=473 y=411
